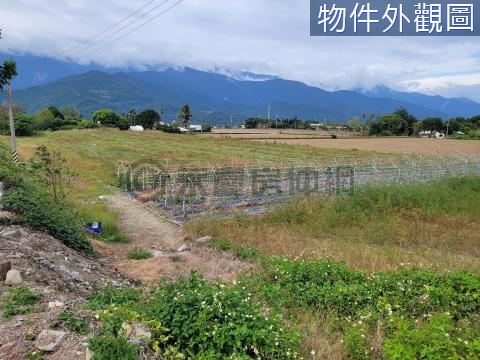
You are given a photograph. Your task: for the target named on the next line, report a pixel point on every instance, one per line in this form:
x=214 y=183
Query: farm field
x=350 y=277
x=95 y=154
x=323 y=140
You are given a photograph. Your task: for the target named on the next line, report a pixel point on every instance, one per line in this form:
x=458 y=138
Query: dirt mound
x=44 y=260
x=61 y=277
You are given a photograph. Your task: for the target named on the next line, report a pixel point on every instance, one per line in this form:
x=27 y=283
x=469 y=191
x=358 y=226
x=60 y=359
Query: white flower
x=312 y=352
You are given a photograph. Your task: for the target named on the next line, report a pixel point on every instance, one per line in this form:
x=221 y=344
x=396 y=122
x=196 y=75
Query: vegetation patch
x=18 y=300
x=375 y=228
x=140 y=255
x=192 y=318
x=74 y=323
x=38 y=207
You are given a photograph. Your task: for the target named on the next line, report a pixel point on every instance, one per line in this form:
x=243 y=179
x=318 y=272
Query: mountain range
x=214 y=97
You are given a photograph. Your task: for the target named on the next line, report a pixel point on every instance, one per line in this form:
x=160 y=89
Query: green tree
x=409 y=123
x=24 y=125
x=185 y=115
x=433 y=124
x=44 y=119
x=56 y=113
x=392 y=124
x=148 y=118
x=355 y=124
x=106 y=117
x=53 y=167
x=72 y=114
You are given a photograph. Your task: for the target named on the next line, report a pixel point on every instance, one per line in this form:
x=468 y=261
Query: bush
x=202 y=321
x=37 y=210
x=110 y=295
x=109 y=347
x=168 y=129
x=106 y=117
x=437 y=338
x=74 y=323
x=87 y=124
x=394 y=305
x=18 y=300
x=36 y=207
x=207 y=128
x=218 y=322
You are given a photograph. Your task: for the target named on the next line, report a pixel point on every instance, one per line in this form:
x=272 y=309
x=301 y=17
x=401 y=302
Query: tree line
x=53 y=119
x=402 y=123
x=287 y=123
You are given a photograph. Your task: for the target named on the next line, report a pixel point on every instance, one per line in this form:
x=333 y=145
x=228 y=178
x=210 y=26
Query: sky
x=259 y=36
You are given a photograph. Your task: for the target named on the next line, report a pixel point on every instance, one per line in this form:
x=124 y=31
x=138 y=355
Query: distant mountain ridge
x=221 y=98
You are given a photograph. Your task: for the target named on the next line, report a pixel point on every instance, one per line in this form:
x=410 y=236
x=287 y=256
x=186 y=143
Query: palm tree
x=185 y=115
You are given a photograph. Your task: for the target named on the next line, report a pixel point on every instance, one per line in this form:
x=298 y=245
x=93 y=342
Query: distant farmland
x=322 y=139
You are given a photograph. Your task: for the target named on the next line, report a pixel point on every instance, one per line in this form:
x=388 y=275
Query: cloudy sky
x=261 y=36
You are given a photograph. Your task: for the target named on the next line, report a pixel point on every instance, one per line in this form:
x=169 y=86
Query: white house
x=195 y=128
x=137 y=128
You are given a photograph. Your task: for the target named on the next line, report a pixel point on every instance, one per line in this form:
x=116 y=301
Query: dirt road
x=150 y=232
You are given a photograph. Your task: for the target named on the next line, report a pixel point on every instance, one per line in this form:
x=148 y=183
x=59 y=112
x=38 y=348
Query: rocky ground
x=62 y=278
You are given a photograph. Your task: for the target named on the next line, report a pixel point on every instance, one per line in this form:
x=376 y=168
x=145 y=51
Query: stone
x=55 y=304
x=13 y=278
x=49 y=340
x=88 y=354
x=140 y=334
x=183 y=248
x=204 y=240
x=159 y=254
x=14 y=234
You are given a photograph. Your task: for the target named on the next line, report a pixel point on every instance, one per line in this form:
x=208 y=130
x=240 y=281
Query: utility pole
x=268 y=112
x=231 y=121
x=448 y=123
x=13 y=139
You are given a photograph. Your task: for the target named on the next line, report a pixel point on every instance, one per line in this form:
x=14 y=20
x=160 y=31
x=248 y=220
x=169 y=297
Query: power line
x=126 y=27
x=134 y=29
x=108 y=29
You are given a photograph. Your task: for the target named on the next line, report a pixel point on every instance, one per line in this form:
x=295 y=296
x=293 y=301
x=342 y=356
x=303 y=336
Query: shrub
x=18 y=300
x=437 y=338
x=110 y=295
x=38 y=211
x=109 y=347
x=217 y=321
x=168 y=129
x=106 y=117
x=201 y=320
x=36 y=208
x=74 y=322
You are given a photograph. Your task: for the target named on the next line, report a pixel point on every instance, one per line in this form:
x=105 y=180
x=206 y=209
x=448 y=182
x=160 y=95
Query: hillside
x=215 y=98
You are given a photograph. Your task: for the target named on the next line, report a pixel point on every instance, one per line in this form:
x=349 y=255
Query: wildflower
x=312 y=352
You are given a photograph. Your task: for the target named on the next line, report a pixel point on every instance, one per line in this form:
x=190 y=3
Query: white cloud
x=262 y=36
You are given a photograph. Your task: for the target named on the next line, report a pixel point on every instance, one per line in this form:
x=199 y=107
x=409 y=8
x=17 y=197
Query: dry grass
x=457 y=247
x=374 y=236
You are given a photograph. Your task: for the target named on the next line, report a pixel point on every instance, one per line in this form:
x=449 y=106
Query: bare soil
x=414 y=146
x=351 y=141
x=150 y=232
